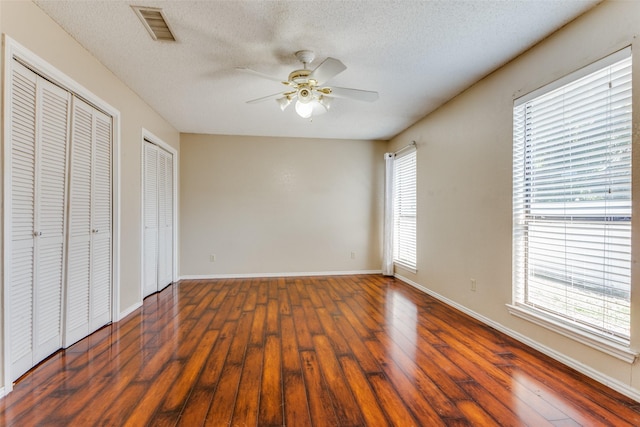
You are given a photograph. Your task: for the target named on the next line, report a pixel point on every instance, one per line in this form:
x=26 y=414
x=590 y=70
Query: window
x=404 y=210
x=572 y=200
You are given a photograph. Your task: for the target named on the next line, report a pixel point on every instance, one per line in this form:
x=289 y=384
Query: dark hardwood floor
x=321 y=351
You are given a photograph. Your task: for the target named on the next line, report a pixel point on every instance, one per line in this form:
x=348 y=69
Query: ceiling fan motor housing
x=305 y=94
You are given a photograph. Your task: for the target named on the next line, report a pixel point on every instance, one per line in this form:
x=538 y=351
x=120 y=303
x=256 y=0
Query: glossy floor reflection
x=324 y=351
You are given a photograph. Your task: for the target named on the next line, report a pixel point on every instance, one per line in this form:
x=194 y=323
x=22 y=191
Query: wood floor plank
x=245 y=412
x=292 y=292
x=361 y=390
x=271 y=401
x=311 y=317
x=391 y=403
x=240 y=339
x=359 y=350
x=491 y=386
x=196 y=408
x=435 y=394
x=223 y=401
x=174 y=401
x=476 y=415
x=318 y=396
x=302 y=330
x=290 y=349
x=296 y=400
x=575 y=398
x=419 y=406
x=218 y=356
x=149 y=403
x=354 y=350
x=332 y=332
x=438 y=369
x=256 y=337
x=284 y=305
x=344 y=403
x=273 y=317
x=354 y=320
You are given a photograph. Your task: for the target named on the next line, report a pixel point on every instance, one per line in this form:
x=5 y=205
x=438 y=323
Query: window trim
x=583 y=335
x=591 y=337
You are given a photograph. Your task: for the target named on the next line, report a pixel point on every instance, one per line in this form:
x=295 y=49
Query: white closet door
x=168 y=230
x=51 y=181
x=165 y=218
x=150 y=206
x=39 y=114
x=89 y=265
x=23 y=170
x=101 y=280
x=79 y=261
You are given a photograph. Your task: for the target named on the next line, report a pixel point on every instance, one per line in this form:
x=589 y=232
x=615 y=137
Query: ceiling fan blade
x=357 y=94
x=266 y=98
x=328 y=69
x=259 y=74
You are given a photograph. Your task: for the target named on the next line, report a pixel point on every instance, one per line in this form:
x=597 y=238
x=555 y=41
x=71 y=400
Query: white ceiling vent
x=154 y=21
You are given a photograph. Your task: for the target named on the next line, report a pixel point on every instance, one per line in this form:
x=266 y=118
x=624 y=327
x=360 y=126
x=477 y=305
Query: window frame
x=519 y=307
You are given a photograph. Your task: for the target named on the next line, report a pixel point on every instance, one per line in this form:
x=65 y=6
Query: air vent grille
x=154 y=21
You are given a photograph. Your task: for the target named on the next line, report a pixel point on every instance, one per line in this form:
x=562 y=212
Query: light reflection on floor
x=401 y=321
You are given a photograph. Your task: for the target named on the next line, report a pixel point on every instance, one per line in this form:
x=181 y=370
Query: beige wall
x=465 y=182
x=24 y=22
x=279 y=205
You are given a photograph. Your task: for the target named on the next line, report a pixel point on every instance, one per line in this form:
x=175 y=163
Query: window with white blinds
x=572 y=200
x=404 y=210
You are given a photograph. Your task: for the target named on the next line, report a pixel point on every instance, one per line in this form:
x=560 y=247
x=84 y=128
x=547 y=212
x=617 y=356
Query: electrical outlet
x=353 y=255
x=473 y=285
x=212 y=258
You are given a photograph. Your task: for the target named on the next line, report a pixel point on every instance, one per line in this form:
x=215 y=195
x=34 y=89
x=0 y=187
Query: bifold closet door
x=88 y=301
x=165 y=218
x=158 y=218
x=150 y=206
x=39 y=122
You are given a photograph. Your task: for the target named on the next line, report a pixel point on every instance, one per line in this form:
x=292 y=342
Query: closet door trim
x=147 y=135
x=15 y=51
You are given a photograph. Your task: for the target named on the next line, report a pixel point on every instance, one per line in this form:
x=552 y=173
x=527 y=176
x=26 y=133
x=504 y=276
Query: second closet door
x=89 y=263
x=158 y=218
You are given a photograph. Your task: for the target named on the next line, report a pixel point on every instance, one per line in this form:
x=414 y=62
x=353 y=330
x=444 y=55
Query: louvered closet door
x=101 y=280
x=158 y=218
x=150 y=206
x=165 y=218
x=89 y=262
x=38 y=130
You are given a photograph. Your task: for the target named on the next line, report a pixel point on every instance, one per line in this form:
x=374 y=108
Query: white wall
x=24 y=22
x=465 y=182
x=279 y=205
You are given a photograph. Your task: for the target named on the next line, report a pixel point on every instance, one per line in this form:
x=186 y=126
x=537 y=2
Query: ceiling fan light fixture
x=304 y=109
x=305 y=87
x=325 y=101
x=283 y=102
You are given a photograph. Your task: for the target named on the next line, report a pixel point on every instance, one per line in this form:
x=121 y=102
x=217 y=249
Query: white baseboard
x=129 y=310
x=613 y=383
x=255 y=275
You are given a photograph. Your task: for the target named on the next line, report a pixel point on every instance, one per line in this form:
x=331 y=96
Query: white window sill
x=583 y=336
x=404 y=266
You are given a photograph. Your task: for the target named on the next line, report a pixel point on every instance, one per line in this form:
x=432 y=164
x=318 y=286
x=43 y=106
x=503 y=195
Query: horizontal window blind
x=572 y=201
x=404 y=209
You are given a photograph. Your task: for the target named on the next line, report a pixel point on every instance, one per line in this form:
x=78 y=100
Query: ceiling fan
x=307 y=87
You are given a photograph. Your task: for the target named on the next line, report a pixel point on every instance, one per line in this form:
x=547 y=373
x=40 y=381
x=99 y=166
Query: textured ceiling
x=416 y=54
